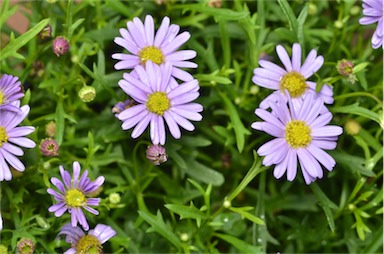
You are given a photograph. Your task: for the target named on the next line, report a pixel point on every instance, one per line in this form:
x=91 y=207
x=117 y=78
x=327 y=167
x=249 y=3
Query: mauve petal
x=268 y=117
x=184 y=98
x=271 y=146
x=307 y=178
x=183 y=89
x=5 y=172
x=272 y=130
x=132 y=111
x=149 y=27
x=181 y=55
x=161 y=32
x=60 y=211
x=136 y=29
x=292 y=164
x=166 y=70
x=93 y=201
x=184 y=64
x=194 y=116
x=96 y=184
x=314 y=111
x=324 y=144
x=176 y=43
x=296 y=57
x=58 y=197
x=305 y=161
x=267 y=83
x=283 y=55
x=193 y=107
x=183 y=122
x=76 y=173
x=71 y=251
x=325 y=159
x=281 y=168
x=129 y=123
x=127 y=42
x=321 y=120
x=103 y=232
x=126 y=64
x=161 y=131
x=13 y=160
x=20 y=131
x=308 y=71
x=153 y=129
x=136 y=93
x=327 y=131
x=272 y=67
x=368 y=20
x=181 y=74
x=58 y=184
x=141 y=126
x=309 y=60
x=82 y=220
x=267 y=74
x=281 y=153
x=17 y=118
x=56 y=207
x=91 y=210
x=24 y=142
x=13 y=149
x=172 y=125
x=65 y=176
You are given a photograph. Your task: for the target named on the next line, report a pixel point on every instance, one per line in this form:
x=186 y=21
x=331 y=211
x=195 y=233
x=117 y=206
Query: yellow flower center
x=295 y=84
x=89 y=244
x=158 y=103
x=298 y=134
x=75 y=198
x=3 y=136
x=151 y=53
x=1 y=98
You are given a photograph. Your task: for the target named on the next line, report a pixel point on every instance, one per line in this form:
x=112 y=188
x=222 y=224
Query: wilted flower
x=156 y=154
x=45 y=33
x=293 y=78
x=373 y=12
x=345 y=67
x=143 y=45
x=38 y=69
x=215 y=3
x=49 y=147
x=87 y=243
x=87 y=93
x=301 y=133
x=73 y=195
x=25 y=246
x=11 y=137
x=159 y=100
x=10 y=91
x=60 y=46
x=121 y=106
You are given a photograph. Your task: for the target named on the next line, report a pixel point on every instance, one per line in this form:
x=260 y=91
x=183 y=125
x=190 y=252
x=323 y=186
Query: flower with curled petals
x=293 y=78
x=86 y=243
x=73 y=195
x=373 y=13
x=11 y=137
x=144 y=45
x=300 y=134
x=159 y=99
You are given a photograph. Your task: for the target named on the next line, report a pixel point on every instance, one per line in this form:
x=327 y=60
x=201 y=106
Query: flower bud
x=3 y=249
x=49 y=147
x=345 y=67
x=352 y=127
x=184 y=237
x=156 y=154
x=45 y=33
x=25 y=246
x=87 y=93
x=354 y=10
x=114 y=198
x=215 y=3
x=50 y=129
x=312 y=9
x=60 y=46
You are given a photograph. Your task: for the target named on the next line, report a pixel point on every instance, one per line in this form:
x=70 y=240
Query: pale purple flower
x=60 y=46
x=293 y=78
x=122 y=105
x=373 y=12
x=156 y=154
x=158 y=100
x=143 y=44
x=11 y=137
x=86 y=243
x=10 y=91
x=300 y=134
x=73 y=195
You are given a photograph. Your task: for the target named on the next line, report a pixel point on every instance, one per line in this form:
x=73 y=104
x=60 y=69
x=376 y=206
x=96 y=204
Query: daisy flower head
x=73 y=195
x=373 y=12
x=86 y=243
x=12 y=137
x=293 y=78
x=10 y=91
x=158 y=100
x=144 y=45
x=301 y=134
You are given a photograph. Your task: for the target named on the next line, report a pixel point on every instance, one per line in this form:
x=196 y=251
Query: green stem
x=359 y=94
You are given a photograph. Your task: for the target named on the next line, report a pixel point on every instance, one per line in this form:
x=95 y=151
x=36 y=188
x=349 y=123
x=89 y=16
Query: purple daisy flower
x=373 y=12
x=73 y=195
x=158 y=100
x=87 y=243
x=293 y=78
x=10 y=91
x=11 y=137
x=301 y=134
x=143 y=45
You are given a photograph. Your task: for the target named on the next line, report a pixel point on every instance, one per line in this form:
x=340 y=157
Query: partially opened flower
x=10 y=91
x=143 y=44
x=11 y=137
x=158 y=100
x=87 y=243
x=73 y=195
x=373 y=12
x=293 y=78
x=300 y=134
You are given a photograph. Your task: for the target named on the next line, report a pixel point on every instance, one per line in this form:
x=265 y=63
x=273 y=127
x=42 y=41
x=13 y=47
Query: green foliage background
x=178 y=206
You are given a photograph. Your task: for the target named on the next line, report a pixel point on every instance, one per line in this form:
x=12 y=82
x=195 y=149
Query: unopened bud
x=227 y=204
x=156 y=154
x=114 y=198
x=60 y=46
x=215 y=3
x=354 y=10
x=338 y=24
x=49 y=147
x=345 y=67
x=352 y=127
x=184 y=237
x=3 y=249
x=45 y=33
x=25 y=246
x=87 y=93
x=50 y=129
x=312 y=9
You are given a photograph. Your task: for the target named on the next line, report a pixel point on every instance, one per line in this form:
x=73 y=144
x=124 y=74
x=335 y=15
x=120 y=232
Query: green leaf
x=213 y=79
x=244 y=214
x=60 y=124
x=240 y=130
x=355 y=109
x=290 y=16
x=14 y=45
x=158 y=225
x=218 y=13
x=186 y=212
x=239 y=244
x=203 y=173
x=360 y=67
x=6 y=12
x=326 y=204
x=300 y=25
